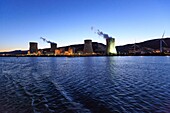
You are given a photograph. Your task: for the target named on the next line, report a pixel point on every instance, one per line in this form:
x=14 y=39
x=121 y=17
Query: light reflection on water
x=85 y=84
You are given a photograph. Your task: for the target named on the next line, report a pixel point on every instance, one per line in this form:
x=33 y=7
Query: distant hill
x=150 y=44
x=15 y=52
x=147 y=46
x=97 y=47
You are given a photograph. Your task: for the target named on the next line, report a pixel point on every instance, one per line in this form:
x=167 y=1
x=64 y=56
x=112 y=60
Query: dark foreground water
x=85 y=85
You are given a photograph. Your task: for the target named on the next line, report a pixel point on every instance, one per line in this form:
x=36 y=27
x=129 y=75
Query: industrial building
x=110 y=46
x=33 y=47
x=88 y=49
x=110 y=42
x=149 y=47
x=53 y=47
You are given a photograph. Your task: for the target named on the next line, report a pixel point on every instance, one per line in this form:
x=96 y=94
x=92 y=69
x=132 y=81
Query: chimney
x=88 y=46
x=110 y=46
x=53 y=47
x=33 y=47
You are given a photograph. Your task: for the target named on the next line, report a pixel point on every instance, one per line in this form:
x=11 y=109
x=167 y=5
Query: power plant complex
x=150 y=47
x=88 y=48
x=160 y=46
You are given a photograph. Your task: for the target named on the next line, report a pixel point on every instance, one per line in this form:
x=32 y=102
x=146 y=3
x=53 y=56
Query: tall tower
x=33 y=47
x=110 y=46
x=88 y=46
x=53 y=47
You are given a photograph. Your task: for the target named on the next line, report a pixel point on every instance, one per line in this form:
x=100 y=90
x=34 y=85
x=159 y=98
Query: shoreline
x=81 y=55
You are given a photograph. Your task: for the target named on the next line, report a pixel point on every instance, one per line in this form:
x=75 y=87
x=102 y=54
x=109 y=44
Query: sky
x=68 y=22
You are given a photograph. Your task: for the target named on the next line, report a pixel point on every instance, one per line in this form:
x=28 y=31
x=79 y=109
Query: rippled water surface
x=85 y=85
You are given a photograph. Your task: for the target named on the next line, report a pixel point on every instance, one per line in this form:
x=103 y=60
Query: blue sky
x=68 y=22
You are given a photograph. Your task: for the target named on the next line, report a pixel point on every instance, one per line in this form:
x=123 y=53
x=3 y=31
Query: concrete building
x=88 y=47
x=57 y=52
x=53 y=47
x=71 y=50
x=110 y=46
x=33 y=47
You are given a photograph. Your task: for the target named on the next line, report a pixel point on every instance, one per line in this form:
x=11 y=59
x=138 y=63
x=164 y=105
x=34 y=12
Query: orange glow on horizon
x=10 y=49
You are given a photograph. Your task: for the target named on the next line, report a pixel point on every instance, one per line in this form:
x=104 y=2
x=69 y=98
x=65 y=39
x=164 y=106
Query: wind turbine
x=135 y=46
x=161 y=42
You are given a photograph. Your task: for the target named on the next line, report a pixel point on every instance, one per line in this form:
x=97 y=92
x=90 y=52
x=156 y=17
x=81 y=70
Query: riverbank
x=83 y=55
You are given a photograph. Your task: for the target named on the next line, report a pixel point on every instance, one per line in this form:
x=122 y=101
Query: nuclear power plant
x=110 y=46
x=88 y=49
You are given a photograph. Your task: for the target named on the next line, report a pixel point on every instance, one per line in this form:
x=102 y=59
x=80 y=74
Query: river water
x=85 y=84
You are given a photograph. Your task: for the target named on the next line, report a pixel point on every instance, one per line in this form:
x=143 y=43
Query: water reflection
x=85 y=84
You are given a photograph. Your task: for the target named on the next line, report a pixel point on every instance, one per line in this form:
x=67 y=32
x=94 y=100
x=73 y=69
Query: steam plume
x=47 y=40
x=100 y=33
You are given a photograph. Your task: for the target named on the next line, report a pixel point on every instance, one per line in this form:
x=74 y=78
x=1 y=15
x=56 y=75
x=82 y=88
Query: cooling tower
x=110 y=46
x=53 y=47
x=33 y=47
x=88 y=46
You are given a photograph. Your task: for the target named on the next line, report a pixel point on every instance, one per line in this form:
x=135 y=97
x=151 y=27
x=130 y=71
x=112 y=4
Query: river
x=85 y=84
